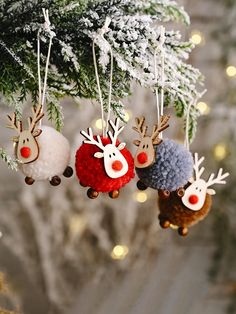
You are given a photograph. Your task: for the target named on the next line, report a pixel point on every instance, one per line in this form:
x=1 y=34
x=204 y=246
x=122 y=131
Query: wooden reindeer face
x=115 y=163
x=195 y=194
x=145 y=155
x=27 y=149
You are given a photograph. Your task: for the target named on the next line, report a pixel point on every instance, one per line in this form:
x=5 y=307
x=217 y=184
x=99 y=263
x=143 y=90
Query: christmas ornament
x=42 y=152
x=160 y=163
x=103 y=163
x=191 y=204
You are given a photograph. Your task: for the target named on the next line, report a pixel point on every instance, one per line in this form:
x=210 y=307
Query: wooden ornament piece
x=145 y=155
x=115 y=164
x=114 y=194
x=68 y=172
x=92 y=194
x=29 y=180
x=195 y=194
x=141 y=186
x=55 y=181
x=27 y=148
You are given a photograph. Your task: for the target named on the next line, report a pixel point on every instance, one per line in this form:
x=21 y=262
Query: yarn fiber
x=91 y=172
x=172 y=168
x=54 y=156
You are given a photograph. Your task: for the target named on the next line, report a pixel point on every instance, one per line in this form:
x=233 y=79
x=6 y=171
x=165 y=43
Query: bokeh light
x=119 y=252
x=197 y=37
x=231 y=71
x=140 y=197
x=220 y=151
x=203 y=108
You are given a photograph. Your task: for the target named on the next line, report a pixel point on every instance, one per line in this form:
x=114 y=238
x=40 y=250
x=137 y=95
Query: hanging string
x=110 y=92
x=191 y=104
x=47 y=28
x=156 y=89
x=162 y=41
x=101 y=34
x=99 y=87
x=160 y=104
x=39 y=72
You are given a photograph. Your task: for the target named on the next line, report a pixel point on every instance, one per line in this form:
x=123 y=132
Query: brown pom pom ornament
x=187 y=206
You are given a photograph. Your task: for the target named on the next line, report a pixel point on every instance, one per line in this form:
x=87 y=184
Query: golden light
x=128 y=115
x=231 y=71
x=119 y=252
x=140 y=197
x=77 y=224
x=203 y=108
x=98 y=124
x=197 y=37
x=1 y=234
x=220 y=151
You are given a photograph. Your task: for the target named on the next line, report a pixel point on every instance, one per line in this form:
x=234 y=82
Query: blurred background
x=63 y=253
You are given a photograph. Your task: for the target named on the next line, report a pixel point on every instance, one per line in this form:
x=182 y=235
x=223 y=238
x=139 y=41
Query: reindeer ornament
x=160 y=164
x=191 y=204
x=103 y=163
x=43 y=153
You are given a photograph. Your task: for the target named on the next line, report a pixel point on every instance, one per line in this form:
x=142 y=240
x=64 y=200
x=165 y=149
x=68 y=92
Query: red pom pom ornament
x=103 y=163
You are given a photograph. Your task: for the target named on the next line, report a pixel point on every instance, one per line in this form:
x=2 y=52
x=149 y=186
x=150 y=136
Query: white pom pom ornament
x=44 y=153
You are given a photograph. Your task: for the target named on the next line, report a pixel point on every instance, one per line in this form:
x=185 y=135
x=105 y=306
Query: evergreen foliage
x=134 y=36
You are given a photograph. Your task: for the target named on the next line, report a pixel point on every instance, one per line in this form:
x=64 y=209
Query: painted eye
x=114 y=154
x=110 y=155
x=143 y=146
x=27 y=140
x=23 y=141
x=147 y=146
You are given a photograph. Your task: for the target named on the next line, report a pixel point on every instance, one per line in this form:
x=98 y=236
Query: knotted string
x=101 y=34
x=47 y=28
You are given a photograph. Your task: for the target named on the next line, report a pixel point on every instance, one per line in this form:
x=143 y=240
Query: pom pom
x=91 y=173
x=172 y=210
x=172 y=169
x=54 y=156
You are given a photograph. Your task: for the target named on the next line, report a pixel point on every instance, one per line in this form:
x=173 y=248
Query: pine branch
x=133 y=37
x=11 y=163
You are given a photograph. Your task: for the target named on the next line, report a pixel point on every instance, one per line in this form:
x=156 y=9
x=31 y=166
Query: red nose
x=25 y=152
x=193 y=199
x=117 y=165
x=142 y=158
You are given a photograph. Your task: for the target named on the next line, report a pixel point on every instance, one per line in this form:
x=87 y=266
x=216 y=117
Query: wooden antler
x=157 y=129
x=116 y=129
x=140 y=128
x=37 y=116
x=14 y=124
x=91 y=139
x=196 y=166
x=219 y=178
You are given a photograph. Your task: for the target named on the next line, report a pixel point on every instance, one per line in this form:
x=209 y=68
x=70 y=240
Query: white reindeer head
x=195 y=194
x=114 y=162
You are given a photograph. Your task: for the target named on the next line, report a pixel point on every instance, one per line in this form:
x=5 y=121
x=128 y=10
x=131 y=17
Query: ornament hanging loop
x=46 y=28
x=160 y=104
x=100 y=35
